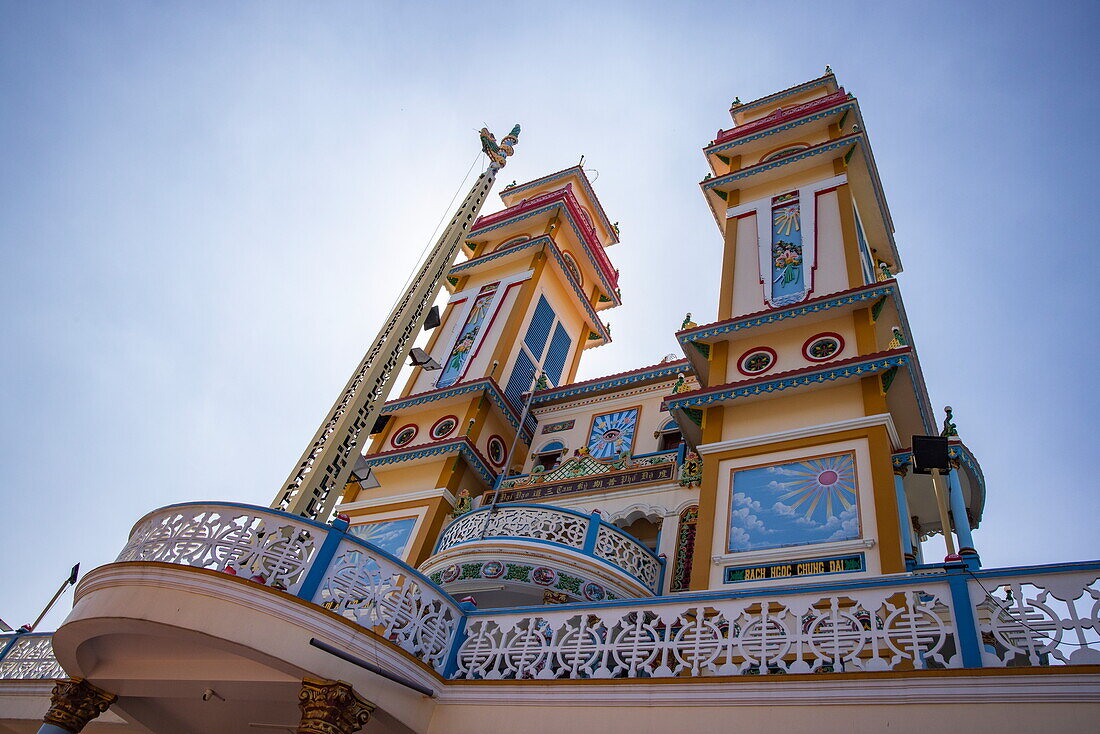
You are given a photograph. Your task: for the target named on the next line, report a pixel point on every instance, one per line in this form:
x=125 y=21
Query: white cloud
x=740 y=499
x=781 y=509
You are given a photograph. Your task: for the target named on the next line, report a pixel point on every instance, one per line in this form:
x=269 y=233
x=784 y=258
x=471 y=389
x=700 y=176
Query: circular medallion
x=495 y=447
x=756 y=361
x=443 y=427
x=450 y=573
x=823 y=347
x=492 y=569
x=594 y=592
x=404 y=435
x=544 y=576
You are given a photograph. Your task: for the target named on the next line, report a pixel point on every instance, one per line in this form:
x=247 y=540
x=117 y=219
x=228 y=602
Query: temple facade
x=734 y=534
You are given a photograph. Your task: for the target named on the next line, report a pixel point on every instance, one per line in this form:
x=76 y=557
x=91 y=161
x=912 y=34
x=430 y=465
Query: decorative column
x=73 y=703
x=961 y=517
x=903 y=515
x=331 y=707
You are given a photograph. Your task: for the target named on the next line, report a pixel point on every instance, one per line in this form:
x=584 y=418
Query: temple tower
x=810 y=384
x=524 y=304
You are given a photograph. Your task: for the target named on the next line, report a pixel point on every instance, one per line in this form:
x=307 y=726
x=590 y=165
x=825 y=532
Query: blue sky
x=207 y=208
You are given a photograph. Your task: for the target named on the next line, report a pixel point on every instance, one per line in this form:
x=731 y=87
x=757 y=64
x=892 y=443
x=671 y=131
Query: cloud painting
x=390 y=535
x=798 y=503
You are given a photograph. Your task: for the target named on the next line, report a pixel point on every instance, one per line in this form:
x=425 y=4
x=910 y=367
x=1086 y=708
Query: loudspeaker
x=432 y=319
x=929 y=452
x=380 y=424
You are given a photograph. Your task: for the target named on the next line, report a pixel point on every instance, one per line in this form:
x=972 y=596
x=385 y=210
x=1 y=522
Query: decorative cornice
x=562 y=199
x=398 y=498
x=585 y=184
x=870 y=292
x=486 y=384
x=783 y=93
x=791 y=117
x=815 y=374
x=844 y=142
x=461 y=445
x=642 y=374
x=881 y=419
x=716 y=148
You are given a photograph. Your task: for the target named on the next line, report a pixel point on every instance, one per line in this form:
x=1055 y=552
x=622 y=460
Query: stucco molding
x=821 y=429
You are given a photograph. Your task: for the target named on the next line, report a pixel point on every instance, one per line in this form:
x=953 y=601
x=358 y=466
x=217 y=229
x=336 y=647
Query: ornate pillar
x=331 y=707
x=960 y=517
x=903 y=516
x=73 y=703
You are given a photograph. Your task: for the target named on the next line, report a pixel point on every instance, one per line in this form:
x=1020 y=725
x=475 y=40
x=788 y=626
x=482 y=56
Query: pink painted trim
x=780 y=115
x=749 y=353
x=431 y=431
x=416 y=432
x=822 y=335
x=485 y=334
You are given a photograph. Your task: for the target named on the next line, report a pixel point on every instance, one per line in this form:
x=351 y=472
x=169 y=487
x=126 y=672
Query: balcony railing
x=587 y=534
x=946 y=617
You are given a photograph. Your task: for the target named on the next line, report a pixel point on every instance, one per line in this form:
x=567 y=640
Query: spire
x=318 y=478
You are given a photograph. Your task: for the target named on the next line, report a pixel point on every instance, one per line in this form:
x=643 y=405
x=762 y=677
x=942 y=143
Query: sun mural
x=797 y=503
x=612 y=433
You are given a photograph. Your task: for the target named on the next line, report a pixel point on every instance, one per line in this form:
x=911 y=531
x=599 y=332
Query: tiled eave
x=767 y=126
x=485 y=385
x=757 y=387
x=784 y=93
x=511 y=191
x=838 y=146
x=595 y=323
x=642 y=375
x=567 y=203
x=460 y=445
x=720 y=330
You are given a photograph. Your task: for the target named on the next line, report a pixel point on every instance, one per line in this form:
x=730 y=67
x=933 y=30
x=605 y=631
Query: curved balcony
x=517 y=554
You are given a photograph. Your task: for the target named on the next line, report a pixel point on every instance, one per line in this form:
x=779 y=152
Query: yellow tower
x=522 y=309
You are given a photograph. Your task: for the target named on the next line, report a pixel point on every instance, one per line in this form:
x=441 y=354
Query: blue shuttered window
x=555 y=356
x=539 y=330
x=523 y=376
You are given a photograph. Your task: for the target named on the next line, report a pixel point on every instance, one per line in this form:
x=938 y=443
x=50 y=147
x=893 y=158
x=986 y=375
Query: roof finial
x=498 y=154
x=688 y=323
x=828 y=70
x=736 y=102
x=949 y=428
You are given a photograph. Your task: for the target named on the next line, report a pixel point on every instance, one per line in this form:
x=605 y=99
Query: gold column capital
x=331 y=707
x=74 y=702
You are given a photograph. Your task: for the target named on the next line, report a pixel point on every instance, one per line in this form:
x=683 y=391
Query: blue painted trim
x=451 y=666
x=862 y=567
x=321 y=561
x=1071 y=567
x=484 y=383
x=664 y=567
x=780 y=128
x=666 y=452
x=856 y=369
x=846 y=141
x=611 y=382
x=788 y=312
x=966 y=627
x=594 y=522
x=459 y=445
x=904 y=521
x=14 y=637
x=962 y=524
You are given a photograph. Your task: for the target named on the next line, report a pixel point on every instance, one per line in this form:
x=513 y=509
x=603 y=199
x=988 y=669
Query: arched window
x=549 y=455
x=784 y=152
x=669 y=436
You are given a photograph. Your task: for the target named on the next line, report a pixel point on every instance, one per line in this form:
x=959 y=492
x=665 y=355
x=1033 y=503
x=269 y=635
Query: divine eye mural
x=612 y=433
x=788 y=282
x=391 y=536
x=460 y=353
x=797 y=503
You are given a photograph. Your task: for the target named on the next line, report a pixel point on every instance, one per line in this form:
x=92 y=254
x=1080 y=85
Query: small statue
x=681 y=384
x=828 y=70
x=619 y=462
x=688 y=323
x=543 y=383
x=884 y=271
x=709 y=176
x=736 y=102
x=691 y=473
x=465 y=503
x=615 y=226
x=949 y=428
x=898 y=340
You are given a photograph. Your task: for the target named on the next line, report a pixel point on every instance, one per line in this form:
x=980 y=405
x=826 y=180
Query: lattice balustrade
x=1038 y=620
x=864 y=630
x=619 y=549
x=544 y=523
x=30 y=657
x=267 y=547
x=388 y=599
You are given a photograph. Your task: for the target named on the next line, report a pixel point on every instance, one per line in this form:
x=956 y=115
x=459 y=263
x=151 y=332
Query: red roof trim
x=781 y=115
x=615 y=376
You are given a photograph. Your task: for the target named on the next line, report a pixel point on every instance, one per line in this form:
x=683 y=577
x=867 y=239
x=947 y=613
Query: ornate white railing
x=28 y=657
x=1049 y=619
x=272 y=548
x=391 y=599
x=870 y=629
x=588 y=534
